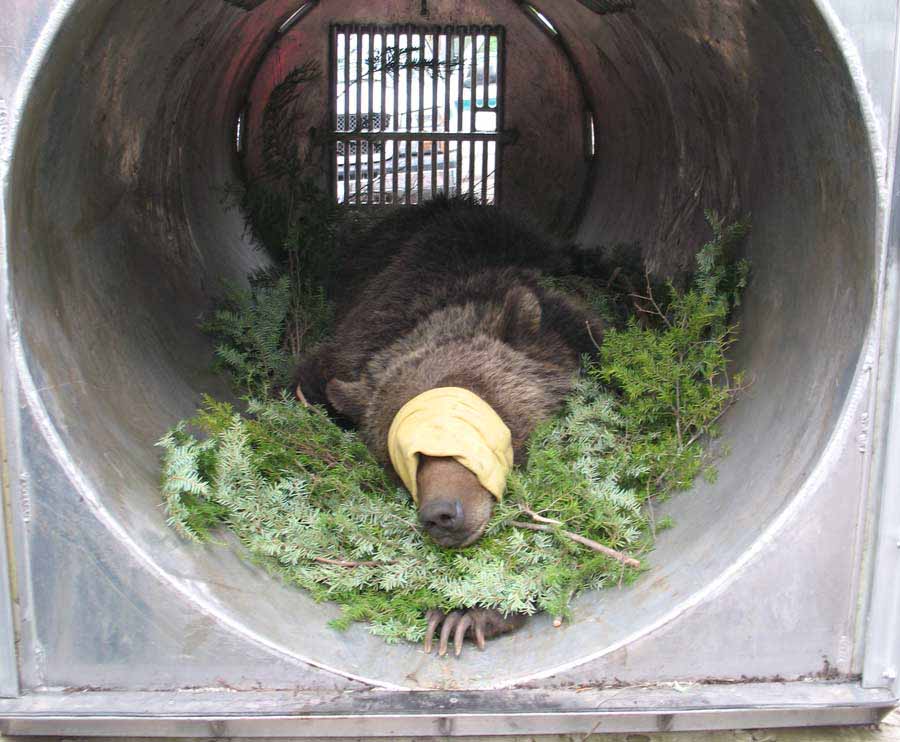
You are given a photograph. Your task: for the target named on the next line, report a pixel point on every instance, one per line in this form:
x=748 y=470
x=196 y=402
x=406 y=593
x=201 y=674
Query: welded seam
x=7 y=456
x=47 y=428
x=869 y=529
x=877 y=653
x=878 y=428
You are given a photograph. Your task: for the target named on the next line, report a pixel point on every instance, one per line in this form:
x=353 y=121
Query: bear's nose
x=442 y=515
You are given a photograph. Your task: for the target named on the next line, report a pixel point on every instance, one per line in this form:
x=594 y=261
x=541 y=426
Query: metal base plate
x=225 y=713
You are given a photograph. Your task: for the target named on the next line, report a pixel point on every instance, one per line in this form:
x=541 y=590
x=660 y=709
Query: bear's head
x=453 y=505
x=491 y=358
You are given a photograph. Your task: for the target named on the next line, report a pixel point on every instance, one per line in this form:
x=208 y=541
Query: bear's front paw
x=477 y=623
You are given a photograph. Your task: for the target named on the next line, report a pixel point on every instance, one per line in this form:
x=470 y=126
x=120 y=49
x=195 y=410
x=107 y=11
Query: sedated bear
x=448 y=351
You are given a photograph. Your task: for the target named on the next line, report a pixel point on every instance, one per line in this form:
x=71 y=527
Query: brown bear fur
x=449 y=294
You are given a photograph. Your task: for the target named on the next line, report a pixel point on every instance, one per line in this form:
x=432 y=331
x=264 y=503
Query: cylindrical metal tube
x=117 y=238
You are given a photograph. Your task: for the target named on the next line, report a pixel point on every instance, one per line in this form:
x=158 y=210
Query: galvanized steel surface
x=226 y=714
x=118 y=143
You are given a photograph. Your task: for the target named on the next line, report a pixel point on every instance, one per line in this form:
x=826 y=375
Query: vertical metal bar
x=448 y=60
x=420 y=71
x=407 y=160
x=478 y=93
x=459 y=110
x=473 y=88
x=420 y=145
x=333 y=109
x=485 y=103
x=395 y=142
x=346 y=125
x=487 y=67
x=435 y=47
x=416 y=191
x=486 y=73
x=395 y=71
x=492 y=172
x=408 y=75
x=484 y=170
x=358 y=122
x=501 y=106
x=384 y=113
x=370 y=108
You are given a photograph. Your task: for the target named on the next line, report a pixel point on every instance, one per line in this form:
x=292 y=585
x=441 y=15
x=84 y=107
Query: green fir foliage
x=308 y=501
x=670 y=368
x=262 y=329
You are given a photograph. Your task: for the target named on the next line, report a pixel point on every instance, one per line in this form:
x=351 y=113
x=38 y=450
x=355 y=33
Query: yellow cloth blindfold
x=453 y=422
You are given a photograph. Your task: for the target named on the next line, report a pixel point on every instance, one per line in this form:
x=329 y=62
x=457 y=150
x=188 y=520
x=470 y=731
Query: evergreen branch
x=734 y=392
x=345 y=563
x=539 y=518
x=292 y=485
x=584 y=541
x=649 y=297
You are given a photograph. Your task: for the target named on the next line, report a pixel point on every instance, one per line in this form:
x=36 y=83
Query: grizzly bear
x=447 y=298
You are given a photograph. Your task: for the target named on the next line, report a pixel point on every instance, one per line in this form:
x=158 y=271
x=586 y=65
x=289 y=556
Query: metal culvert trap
x=118 y=133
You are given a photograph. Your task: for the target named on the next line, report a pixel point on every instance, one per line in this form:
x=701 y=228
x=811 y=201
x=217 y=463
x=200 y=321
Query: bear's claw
x=479 y=623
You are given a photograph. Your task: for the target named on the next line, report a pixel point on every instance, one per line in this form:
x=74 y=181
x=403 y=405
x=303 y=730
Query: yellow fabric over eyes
x=453 y=422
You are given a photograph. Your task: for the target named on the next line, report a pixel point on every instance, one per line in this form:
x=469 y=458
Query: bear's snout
x=453 y=507
x=444 y=520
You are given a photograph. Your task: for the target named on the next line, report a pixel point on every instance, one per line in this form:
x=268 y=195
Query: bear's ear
x=348 y=397
x=520 y=317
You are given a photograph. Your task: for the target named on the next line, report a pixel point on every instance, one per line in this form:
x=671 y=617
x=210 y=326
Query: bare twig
x=587 y=323
x=584 y=541
x=656 y=309
x=539 y=518
x=735 y=391
x=678 y=407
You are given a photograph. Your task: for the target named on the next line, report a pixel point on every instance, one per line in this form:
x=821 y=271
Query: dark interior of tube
x=119 y=238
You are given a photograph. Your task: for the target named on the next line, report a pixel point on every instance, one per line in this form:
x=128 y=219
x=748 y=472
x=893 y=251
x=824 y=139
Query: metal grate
x=416 y=111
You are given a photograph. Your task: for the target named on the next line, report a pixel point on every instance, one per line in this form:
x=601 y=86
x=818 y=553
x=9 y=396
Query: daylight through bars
x=416 y=111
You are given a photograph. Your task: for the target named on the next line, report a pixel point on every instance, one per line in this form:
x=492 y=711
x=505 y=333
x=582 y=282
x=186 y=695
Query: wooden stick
x=617 y=555
x=587 y=323
x=301 y=397
x=539 y=518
